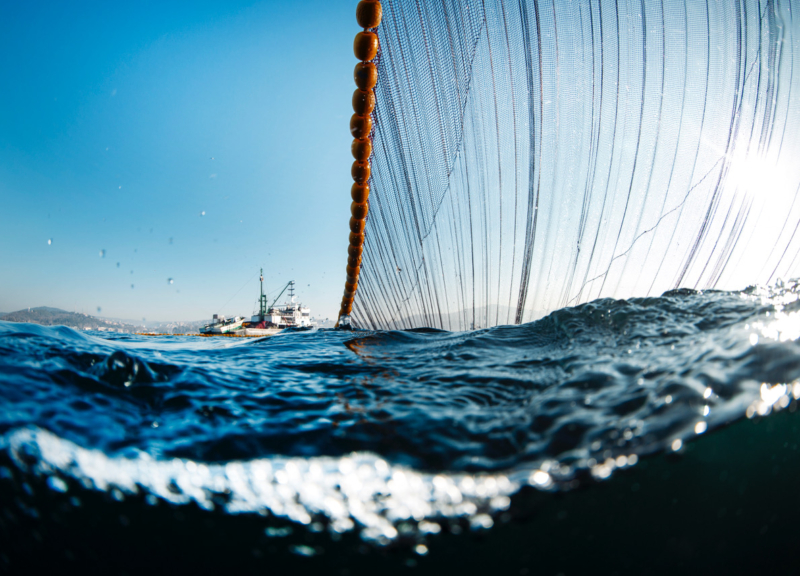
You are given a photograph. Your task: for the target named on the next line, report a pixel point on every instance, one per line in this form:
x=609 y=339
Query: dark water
x=617 y=436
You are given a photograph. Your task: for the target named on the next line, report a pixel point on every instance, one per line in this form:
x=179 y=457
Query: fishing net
x=535 y=155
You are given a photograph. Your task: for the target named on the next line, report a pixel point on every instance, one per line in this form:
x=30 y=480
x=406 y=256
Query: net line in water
x=533 y=155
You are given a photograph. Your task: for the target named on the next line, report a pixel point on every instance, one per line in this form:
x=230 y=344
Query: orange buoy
x=361 y=148
x=360 y=172
x=359 y=211
x=368 y=13
x=365 y=46
x=360 y=126
x=354 y=251
x=357 y=225
x=359 y=193
x=363 y=102
x=365 y=75
x=356 y=239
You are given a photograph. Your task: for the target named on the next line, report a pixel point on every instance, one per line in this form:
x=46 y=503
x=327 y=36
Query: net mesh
x=535 y=155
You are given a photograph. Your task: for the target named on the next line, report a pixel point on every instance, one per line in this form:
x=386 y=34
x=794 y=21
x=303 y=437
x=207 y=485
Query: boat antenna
x=291 y=290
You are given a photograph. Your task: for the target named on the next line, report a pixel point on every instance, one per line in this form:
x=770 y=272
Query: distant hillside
x=47 y=316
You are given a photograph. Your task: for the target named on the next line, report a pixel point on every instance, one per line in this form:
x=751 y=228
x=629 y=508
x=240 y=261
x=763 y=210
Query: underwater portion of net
x=534 y=155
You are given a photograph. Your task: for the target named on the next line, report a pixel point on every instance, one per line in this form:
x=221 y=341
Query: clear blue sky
x=121 y=123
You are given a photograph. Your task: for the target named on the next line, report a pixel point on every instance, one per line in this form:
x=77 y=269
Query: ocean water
x=643 y=436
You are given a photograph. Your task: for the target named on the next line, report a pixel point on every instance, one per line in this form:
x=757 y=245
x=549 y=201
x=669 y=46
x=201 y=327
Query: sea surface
x=636 y=436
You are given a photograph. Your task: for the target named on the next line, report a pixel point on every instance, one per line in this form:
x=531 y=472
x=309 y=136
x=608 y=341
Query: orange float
x=357 y=226
x=359 y=193
x=356 y=239
x=365 y=75
x=365 y=46
x=369 y=13
x=361 y=149
x=360 y=126
x=360 y=172
x=363 y=102
x=354 y=251
x=359 y=211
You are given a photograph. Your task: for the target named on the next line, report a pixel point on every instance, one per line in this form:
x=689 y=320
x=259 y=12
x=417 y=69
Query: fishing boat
x=222 y=325
x=272 y=319
x=269 y=319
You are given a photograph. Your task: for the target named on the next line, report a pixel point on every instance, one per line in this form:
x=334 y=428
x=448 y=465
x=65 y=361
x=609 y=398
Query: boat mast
x=262 y=312
x=291 y=291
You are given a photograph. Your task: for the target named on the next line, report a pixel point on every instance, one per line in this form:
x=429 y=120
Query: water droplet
x=49 y=241
x=203 y=213
x=170 y=240
x=120 y=187
x=102 y=253
x=117 y=264
x=169 y=280
x=99 y=309
x=131 y=285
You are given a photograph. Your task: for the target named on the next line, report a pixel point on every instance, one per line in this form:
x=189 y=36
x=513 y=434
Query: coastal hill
x=47 y=316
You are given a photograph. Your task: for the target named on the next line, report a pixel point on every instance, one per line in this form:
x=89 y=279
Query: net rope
x=533 y=155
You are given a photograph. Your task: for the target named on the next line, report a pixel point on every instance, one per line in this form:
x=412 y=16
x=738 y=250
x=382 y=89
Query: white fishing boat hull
x=259 y=331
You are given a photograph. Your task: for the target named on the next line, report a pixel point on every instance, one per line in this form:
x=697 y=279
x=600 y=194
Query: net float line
x=365 y=48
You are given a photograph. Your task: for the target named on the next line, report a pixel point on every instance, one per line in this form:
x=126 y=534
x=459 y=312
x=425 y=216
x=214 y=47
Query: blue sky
x=121 y=124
